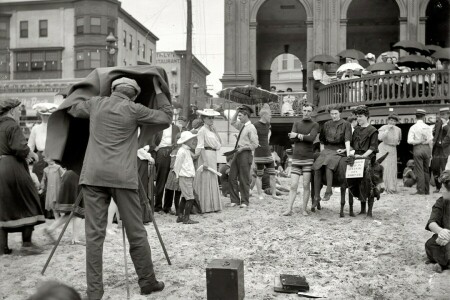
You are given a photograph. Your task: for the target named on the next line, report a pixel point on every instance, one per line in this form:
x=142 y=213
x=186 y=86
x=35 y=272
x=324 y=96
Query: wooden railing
x=384 y=90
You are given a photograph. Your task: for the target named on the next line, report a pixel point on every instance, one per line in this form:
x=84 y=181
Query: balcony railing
x=385 y=90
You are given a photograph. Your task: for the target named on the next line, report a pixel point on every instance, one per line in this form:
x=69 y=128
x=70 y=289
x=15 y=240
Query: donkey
x=361 y=188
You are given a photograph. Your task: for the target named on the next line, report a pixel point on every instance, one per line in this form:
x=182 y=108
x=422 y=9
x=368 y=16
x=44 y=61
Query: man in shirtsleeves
x=110 y=170
x=246 y=143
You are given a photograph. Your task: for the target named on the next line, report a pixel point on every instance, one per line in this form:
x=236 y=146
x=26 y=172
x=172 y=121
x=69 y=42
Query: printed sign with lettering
x=355 y=171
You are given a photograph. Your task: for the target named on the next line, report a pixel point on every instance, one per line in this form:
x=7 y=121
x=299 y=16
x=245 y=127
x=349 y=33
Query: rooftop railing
x=409 y=88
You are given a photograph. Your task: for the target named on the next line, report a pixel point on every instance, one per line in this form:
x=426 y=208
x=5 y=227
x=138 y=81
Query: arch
x=401 y=7
x=287 y=76
x=437 y=26
x=423 y=8
x=257 y=6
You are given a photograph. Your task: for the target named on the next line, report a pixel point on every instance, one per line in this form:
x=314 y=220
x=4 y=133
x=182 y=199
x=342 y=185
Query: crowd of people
x=185 y=160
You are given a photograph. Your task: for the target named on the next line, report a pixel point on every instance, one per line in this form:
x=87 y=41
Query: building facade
x=174 y=63
x=287 y=72
x=56 y=43
x=257 y=31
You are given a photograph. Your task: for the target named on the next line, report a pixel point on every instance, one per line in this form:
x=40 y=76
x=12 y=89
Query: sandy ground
x=342 y=258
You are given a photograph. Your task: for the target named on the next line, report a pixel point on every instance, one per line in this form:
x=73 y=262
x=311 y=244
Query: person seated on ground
x=225 y=171
x=335 y=139
x=53 y=290
x=437 y=247
x=409 y=178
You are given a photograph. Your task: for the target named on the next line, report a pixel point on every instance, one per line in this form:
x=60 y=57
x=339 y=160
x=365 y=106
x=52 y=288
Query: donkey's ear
x=381 y=159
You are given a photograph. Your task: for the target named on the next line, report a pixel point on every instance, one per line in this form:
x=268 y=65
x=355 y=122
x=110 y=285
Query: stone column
x=230 y=37
x=253 y=28
x=343 y=35
x=421 y=29
x=243 y=46
x=403 y=28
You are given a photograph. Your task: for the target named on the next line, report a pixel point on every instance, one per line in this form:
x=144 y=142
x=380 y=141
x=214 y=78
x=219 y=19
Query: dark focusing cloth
x=440 y=213
x=19 y=199
x=333 y=136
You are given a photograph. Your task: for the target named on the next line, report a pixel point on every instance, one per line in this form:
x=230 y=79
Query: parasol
x=324 y=59
x=411 y=47
x=414 y=61
x=352 y=53
x=443 y=54
x=349 y=66
x=67 y=137
x=381 y=66
x=249 y=95
x=433 y=48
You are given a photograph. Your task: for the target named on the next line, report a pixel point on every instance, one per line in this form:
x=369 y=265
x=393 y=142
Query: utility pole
x=188 y=63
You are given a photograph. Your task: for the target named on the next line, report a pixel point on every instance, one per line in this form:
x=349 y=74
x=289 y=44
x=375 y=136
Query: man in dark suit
x=110 y=170
x=440 y=148
x=162 y=147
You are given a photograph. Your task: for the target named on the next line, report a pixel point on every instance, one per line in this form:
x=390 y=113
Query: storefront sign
x=404 y=119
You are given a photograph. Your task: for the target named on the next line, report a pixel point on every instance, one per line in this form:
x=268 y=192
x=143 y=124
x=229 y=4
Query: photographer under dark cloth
x=110 y=170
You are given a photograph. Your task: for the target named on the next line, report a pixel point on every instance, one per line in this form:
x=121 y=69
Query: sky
x=167 y=20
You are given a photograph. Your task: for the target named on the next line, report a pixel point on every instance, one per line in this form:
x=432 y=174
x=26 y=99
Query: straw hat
x=208 y=112
x=46 y=108
x=185 y=136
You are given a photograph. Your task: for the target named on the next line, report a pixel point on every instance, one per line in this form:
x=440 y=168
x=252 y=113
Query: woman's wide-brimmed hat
x=185 y=136
x=208 y=112
x=8 y=104
x=45 y=109
x=394 y=117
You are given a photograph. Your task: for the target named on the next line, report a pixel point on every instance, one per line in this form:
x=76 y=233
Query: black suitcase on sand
x=225 y=279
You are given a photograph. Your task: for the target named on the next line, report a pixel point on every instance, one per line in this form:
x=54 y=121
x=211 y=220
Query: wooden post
x=188 y=63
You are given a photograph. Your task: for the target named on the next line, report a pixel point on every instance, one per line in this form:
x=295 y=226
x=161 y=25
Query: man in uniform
x=110 y=170
x=440 y=149
x=246 y=143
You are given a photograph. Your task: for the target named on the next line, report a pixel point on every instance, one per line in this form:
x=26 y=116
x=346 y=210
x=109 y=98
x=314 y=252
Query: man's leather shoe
x=157 y=287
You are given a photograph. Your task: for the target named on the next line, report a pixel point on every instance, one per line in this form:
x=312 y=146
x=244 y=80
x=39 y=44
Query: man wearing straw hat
x=421 y=137
x=440 y=147
x=110 y=170
x=247 y=142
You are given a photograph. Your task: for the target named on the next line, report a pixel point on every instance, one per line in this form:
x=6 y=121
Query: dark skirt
x=68 y=194
x=19 y=199
x=329 y=158
x=39 y=166
x=436 y=253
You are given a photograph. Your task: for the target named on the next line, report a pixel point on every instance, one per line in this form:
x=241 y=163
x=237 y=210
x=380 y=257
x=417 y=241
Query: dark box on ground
x=225 y=279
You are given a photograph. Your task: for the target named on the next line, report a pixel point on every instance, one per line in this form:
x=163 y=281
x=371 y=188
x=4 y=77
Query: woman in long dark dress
x=20 y=210
x=438 y=246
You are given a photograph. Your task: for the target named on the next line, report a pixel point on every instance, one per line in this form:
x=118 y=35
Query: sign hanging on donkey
x=355 y=171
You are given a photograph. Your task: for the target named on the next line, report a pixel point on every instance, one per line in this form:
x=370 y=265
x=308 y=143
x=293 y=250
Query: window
x=80 y=60
x=22 y=61
x=143 y=50
x=96 y=25
x=131 y=42
x=151 y=55
x=95 y=59
x=43 y=28
x=284 y=62
x=124 y=38
x=139 y=46
x=80 y=25
x=297 y=64
x=23 y=29
x=37 y=61
x=111 y=27
x=51 y=60
x=4 y=62
x=3 y=30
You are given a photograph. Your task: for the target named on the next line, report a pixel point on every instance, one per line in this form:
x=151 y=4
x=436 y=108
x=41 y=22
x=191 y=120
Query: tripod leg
x=126 y=264
x=77 y=202
x=141 y=188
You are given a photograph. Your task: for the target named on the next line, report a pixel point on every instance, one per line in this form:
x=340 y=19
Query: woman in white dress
x=390 y=136
x=206 y=184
